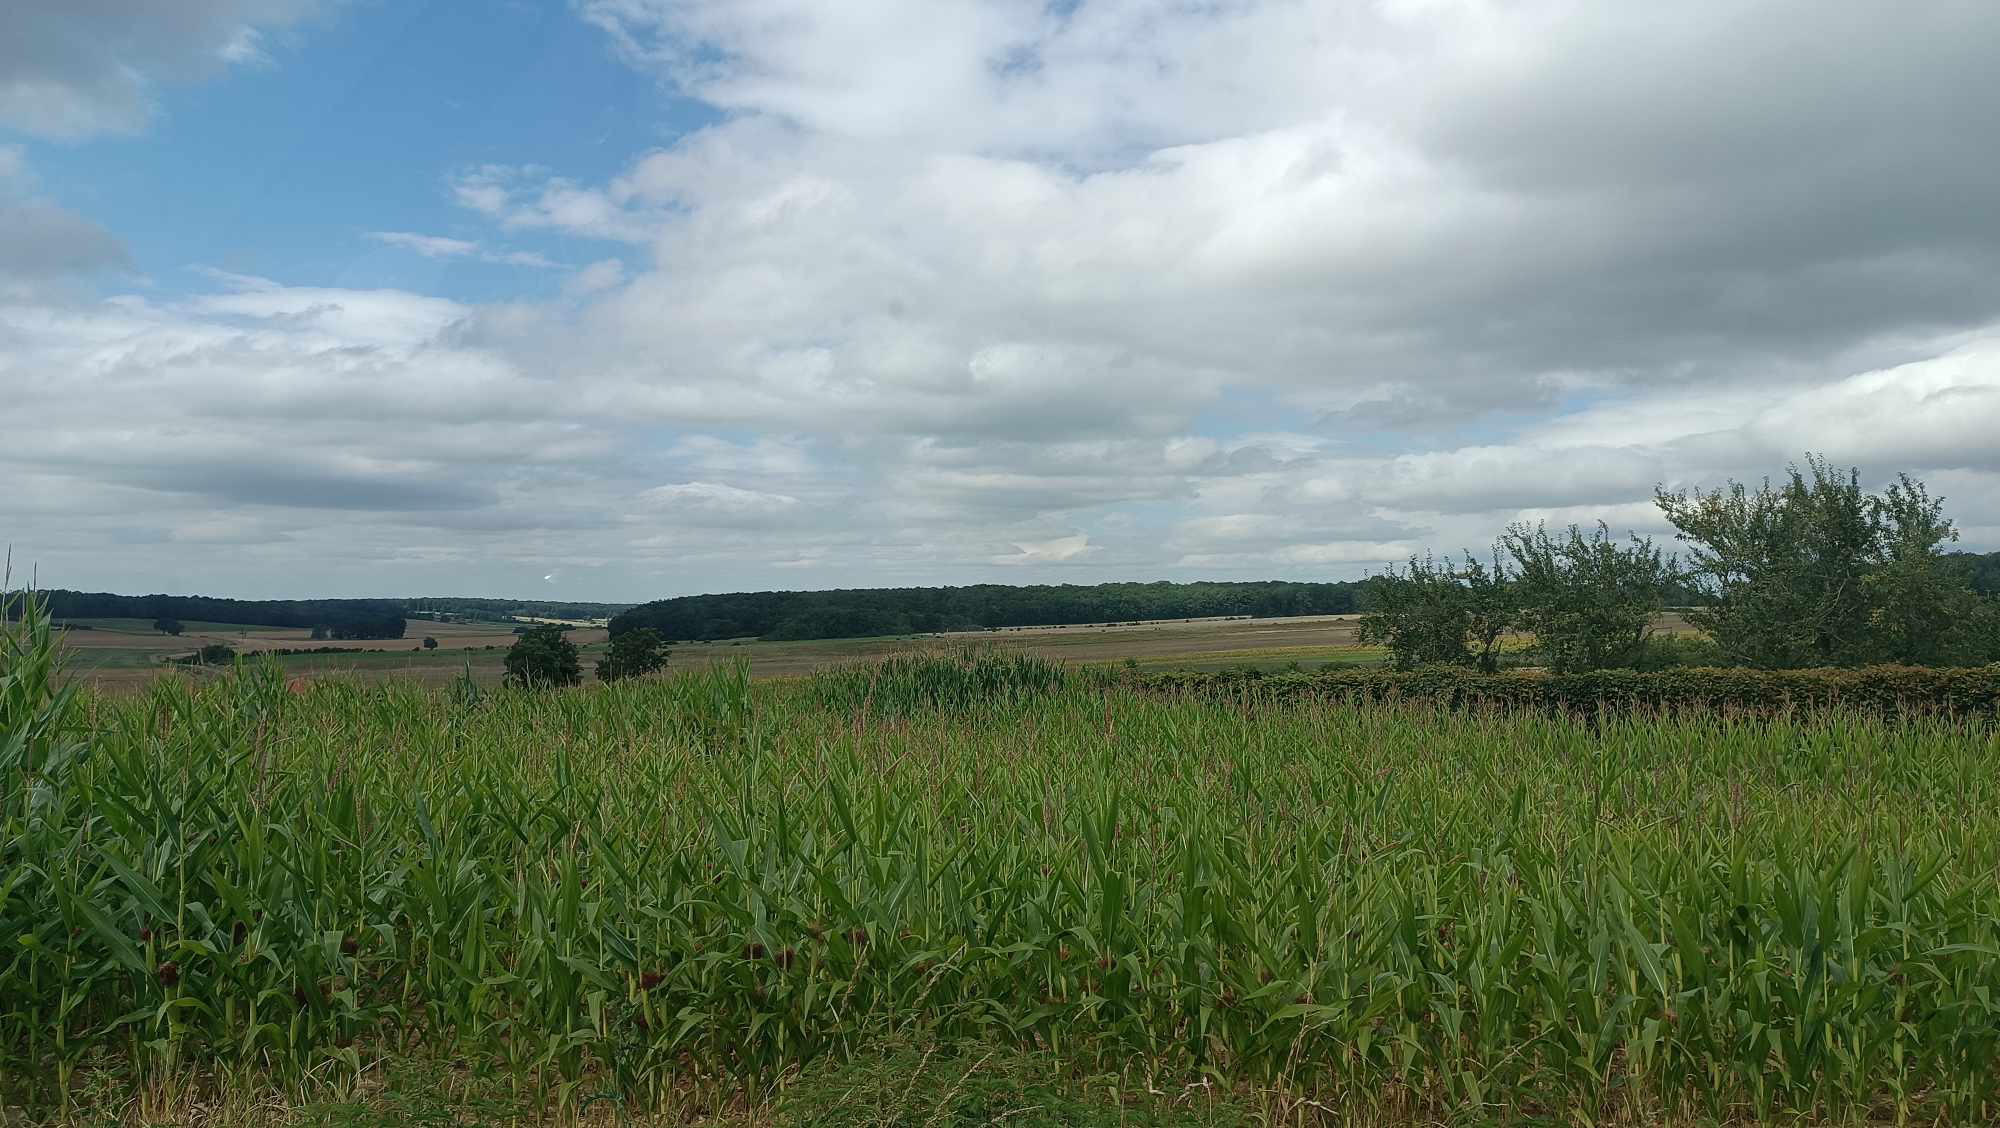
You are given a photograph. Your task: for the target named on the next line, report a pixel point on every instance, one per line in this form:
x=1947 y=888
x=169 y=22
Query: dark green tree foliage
x=1817 y=572
x=502 y=610
x=543 y=658
x=633 y=654
x=345 y=618
x=1588 y=599
x=168 y=626
x=430 y=643
x=1982 y=571
x=216 y=654
x=886 y=611
x=1440 y=613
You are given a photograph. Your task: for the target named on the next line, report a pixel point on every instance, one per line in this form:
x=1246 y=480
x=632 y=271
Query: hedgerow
x=1876 y=690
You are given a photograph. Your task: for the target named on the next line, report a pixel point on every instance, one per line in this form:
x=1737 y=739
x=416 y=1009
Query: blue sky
x=356 y=124
x=616 y=299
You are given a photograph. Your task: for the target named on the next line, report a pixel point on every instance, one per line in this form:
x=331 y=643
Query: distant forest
x=862 y=612
x=1983 y=569
x=506 y=610
x=781 y=615
x=342 y=618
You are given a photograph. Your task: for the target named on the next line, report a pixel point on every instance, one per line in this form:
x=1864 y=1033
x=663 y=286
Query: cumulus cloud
x=74 y=69
x=1113 y=289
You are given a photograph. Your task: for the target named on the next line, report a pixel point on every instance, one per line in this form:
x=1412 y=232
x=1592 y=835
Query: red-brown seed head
x=650 y=980
x=145 y=936
x=350 y=945
x=858 y=937
x=787 y=956
x=753 y=951
x=1104 y=963
x=169 y=973
x=237 y=932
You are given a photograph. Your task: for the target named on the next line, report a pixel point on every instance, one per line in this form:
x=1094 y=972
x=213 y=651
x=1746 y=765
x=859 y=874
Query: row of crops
x=627 y=893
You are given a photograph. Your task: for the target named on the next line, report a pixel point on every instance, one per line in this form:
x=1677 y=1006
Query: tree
x=543 y=658
x=1438 y=613
x=430 y=643
x=1589 y=600
x=1816 y=572
x=319 y=634
x=168 y=626
x=1924 y=611
x=216 y=654
x=635 y=653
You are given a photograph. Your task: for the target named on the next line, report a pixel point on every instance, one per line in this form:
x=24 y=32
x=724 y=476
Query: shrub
x=1878 y=690
x=542 y=658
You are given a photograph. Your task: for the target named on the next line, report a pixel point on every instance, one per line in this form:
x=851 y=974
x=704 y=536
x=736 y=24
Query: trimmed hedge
x=1880 y=690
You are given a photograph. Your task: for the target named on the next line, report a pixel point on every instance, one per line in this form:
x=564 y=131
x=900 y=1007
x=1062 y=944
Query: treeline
x=864 y=612
x=340 y=618
x=1982 y=570
x=506 y=610
x=1809 y=572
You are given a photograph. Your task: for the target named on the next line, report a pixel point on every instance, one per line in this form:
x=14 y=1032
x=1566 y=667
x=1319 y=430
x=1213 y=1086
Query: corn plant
x=622 y=892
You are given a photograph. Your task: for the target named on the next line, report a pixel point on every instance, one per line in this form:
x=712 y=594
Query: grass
x=866 y=899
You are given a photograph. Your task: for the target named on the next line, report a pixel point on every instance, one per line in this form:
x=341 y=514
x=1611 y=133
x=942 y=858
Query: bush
x=543 y=658
x=1878 y=690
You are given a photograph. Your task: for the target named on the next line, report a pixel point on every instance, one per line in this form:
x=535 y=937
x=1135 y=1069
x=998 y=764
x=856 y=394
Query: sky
x=625 y=299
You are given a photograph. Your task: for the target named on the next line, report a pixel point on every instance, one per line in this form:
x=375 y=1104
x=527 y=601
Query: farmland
x=696 y=897
x=126 y=654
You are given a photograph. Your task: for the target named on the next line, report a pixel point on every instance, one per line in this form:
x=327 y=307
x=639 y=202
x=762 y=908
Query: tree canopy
x=543 y=658
x=342 y=618
x=1815 y=571
x=855 y=613
x=633 y=654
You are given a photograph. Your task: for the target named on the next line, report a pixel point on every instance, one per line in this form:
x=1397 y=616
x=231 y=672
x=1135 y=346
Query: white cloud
x=1052 y=551
x=72 y=70
x=1241 y=289
x=442 y=247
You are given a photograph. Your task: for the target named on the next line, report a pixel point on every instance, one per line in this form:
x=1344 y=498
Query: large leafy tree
x=1589 y=599
x=1437 y=612
x=1816 y=572
x=543 y=657
x=633 y=654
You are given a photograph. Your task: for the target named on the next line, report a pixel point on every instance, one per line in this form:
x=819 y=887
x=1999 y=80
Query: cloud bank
x=1120 y=289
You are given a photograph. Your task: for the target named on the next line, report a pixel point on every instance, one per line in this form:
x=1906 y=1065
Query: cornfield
x=627 y=893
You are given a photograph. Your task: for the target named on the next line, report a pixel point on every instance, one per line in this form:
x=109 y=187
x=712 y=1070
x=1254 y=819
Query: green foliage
x=430 y=643
x=1889 y=691
x=168 y=626
x=1982 y=571
x=615 y=895
x=1816 y=572
x=345 y=618
x=930 y=681
x=1668 y=652
x=507 y=610
x=1441 y=613
x=633 y=654
x=1588 y=600
x=542 y=658
x=898 y=611
x=215 y=654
